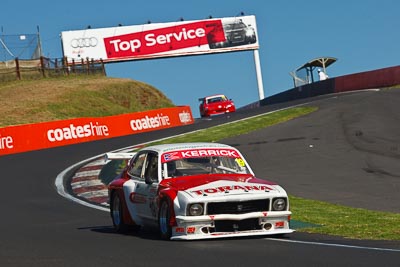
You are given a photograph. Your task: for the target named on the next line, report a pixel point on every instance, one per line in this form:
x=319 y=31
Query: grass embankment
x=324 y=218
x=50 y=99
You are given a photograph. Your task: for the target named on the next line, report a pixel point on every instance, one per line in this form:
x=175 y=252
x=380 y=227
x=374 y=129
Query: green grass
x=33 y=101
x=216 y=133
x=345 y=221
x=323 y=217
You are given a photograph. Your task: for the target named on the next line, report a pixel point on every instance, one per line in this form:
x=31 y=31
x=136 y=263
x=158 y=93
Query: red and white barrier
x=27 y=137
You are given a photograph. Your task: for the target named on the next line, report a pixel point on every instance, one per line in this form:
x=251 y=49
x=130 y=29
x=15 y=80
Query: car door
x=146 y=192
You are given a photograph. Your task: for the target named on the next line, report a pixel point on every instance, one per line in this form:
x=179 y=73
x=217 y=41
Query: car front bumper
x=231 y=225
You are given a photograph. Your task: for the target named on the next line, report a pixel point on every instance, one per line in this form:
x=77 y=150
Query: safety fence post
x=17 y=69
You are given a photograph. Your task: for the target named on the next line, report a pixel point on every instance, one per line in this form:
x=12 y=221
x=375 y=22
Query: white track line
x=332 y=245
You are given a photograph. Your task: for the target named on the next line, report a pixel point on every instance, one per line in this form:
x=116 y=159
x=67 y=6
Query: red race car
x=215 y=104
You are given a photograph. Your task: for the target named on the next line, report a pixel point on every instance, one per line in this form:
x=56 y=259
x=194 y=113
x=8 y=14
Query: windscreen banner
x=153 y=40
x=28 y=137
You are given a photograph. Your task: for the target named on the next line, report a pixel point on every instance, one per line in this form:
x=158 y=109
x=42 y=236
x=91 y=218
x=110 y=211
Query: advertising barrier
x=153 y=40
x=27 y=137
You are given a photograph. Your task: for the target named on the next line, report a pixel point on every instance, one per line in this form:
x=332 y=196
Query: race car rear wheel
x=164 y=217
x=117 y=214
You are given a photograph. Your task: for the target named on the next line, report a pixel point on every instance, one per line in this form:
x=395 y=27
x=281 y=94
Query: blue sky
x=364 y=35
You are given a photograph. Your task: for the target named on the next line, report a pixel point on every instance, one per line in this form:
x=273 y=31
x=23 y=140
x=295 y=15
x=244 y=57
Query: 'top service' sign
x=161 y=39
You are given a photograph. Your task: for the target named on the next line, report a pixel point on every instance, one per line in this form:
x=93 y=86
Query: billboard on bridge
x=156 y=40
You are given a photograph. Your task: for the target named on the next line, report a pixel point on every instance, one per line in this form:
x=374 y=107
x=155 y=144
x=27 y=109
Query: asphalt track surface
x=347 y=152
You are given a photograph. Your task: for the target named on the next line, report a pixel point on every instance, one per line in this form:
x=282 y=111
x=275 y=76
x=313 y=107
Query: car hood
x=218 y=185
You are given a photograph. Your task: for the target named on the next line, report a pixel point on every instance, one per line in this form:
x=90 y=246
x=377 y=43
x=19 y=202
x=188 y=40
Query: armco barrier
x=22 y=138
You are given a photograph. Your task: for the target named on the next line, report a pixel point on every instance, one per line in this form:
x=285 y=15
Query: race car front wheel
x=117 y=214
x=164 y=218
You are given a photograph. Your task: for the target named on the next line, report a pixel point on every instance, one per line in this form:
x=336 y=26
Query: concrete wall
x=371 y=79
x=364 y=80
x=305 y=91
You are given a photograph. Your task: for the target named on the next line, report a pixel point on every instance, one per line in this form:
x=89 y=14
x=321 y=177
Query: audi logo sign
x=84 y=42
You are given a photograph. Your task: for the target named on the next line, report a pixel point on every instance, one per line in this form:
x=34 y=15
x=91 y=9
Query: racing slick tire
x=117 y=214
x=164 y=217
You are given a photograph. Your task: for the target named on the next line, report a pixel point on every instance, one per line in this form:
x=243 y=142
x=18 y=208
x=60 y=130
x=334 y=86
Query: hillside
x=51 y=99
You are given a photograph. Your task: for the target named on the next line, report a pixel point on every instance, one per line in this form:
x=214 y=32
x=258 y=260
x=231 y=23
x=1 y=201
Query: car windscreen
x=205 y=165
x=216 y=99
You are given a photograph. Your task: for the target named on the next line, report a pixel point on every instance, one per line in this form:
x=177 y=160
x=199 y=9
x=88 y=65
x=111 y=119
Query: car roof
x=186 y=146
x=212 y=96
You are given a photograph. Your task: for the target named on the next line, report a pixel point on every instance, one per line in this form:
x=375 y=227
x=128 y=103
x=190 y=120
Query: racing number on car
x=240 y=162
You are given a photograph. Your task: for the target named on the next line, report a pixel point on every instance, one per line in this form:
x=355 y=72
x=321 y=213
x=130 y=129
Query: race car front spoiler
x=231 y=225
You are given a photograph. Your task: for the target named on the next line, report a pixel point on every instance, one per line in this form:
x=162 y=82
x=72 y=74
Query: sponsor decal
x=166 y=39
x=197 y=153
x=223 y=189
x=14 y=139
x=77 y=132
x=209 y=153
x=179 y=230
x=185 y=117
x=6 y=142
x=170 y=156
x=137 y=198
x=84 y=42
x=179 y=38
x=148 y=122
x=190 y=230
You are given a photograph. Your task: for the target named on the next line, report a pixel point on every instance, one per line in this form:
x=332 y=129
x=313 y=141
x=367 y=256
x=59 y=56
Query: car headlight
x=279 y=204
x=196 y=209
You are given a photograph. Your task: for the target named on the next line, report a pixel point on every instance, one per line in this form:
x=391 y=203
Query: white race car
x=195 y=191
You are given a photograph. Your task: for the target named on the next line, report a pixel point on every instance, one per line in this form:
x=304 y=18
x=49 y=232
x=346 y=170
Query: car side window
x=136 y=167
x=151 y=171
